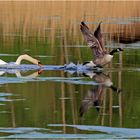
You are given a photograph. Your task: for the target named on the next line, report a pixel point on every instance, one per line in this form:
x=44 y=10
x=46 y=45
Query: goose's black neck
x=113 y=51
x=115 y=89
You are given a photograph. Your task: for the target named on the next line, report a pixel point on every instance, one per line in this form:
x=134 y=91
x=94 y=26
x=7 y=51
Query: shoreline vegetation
x=60 y=20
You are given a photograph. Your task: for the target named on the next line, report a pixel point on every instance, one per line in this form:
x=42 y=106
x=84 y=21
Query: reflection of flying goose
x=94 y=96
x=23 y=57
x=95 y=42
x=102 y=79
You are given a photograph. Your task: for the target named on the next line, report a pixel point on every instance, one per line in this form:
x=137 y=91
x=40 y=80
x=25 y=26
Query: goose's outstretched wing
x=92 y=40
x=99 y=36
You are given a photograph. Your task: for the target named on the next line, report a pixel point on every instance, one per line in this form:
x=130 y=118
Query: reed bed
x=60 y=20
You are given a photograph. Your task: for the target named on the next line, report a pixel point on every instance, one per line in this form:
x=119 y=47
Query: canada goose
x=23 y=57
x=95 y=42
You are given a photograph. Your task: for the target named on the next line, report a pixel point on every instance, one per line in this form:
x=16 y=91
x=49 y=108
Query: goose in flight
x=23 y=57
x=95 y=42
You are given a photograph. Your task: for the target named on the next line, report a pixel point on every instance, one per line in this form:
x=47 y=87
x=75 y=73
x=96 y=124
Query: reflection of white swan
x=18 y=74
x=23 y=57
x=33 y=75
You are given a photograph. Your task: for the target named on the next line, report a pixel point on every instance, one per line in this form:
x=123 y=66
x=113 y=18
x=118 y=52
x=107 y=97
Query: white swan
x=23 y=57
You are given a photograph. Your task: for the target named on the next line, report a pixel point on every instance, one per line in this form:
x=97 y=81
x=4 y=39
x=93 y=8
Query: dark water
x=53 y=102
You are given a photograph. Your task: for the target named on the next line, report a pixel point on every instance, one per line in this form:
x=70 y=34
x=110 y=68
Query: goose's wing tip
x=83 y=26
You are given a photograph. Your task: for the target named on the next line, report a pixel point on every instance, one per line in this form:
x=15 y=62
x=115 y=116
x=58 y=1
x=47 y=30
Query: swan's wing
x=99 y=36
x=91 y=40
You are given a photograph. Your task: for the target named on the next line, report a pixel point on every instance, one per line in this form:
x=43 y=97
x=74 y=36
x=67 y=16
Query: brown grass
x=61 y=19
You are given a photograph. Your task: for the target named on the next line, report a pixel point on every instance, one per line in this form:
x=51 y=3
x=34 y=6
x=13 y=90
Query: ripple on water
x=109 y=132
x=6 y=97
x=104 y=132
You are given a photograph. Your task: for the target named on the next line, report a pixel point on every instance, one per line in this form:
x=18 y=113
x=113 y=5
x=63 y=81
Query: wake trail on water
x=71 y=67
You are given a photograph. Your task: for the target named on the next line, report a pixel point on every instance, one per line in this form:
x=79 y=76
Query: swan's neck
x=26 y=57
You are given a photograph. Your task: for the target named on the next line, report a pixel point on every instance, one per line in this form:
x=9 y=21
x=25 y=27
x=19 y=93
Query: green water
x=42 y=100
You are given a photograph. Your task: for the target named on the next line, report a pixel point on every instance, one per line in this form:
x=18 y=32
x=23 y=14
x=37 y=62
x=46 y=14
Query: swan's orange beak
x=40 y=71
x=39 y=64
